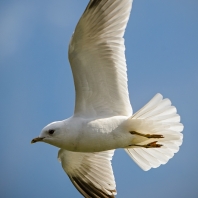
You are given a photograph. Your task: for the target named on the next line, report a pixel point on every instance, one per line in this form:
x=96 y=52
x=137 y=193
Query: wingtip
x=93 y=3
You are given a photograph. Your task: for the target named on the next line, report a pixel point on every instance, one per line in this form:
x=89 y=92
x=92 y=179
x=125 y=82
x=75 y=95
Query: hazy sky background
x=36 y=87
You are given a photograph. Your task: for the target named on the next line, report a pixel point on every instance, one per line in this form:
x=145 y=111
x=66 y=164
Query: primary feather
x=91 y=173
x=97 y=59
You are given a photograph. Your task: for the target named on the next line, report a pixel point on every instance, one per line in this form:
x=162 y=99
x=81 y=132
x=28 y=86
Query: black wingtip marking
x=87 y=189
x=94 y=3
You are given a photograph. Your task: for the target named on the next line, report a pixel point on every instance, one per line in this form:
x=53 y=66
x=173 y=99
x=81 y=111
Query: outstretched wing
x=97 y=59
x=91 y=173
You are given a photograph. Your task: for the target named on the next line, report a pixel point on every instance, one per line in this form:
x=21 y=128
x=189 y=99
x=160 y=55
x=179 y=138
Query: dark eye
x=51 y=131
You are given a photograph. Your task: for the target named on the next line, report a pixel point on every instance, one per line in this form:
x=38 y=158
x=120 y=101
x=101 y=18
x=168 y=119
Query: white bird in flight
x=103 y=119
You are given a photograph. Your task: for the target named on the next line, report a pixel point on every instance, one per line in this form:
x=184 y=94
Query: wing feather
x=97 y=58
x=91 y=173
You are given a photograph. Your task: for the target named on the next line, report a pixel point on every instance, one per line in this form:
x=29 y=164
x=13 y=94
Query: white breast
x=86 y=135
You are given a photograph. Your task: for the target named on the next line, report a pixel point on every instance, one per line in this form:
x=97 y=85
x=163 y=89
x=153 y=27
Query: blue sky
x=36 y=87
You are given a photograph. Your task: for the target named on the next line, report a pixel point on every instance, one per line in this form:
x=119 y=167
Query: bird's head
x=52 y=134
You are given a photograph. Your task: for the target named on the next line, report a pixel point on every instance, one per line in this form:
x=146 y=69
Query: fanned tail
x=157 y=117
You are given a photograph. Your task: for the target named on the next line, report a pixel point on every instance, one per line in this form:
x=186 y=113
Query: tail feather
x=156 y=117
x=150 y=105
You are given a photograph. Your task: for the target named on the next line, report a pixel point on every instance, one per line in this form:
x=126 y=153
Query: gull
x=103 y=119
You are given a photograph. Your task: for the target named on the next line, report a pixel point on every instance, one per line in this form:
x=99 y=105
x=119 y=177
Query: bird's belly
x=96 y=143
x=101 y=135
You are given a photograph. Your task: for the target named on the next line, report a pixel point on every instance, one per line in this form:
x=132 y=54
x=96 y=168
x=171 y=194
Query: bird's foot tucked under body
x=150 y=145
x=147 y=135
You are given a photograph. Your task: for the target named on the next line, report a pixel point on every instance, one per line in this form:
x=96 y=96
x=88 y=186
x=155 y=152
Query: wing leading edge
x=97 y=58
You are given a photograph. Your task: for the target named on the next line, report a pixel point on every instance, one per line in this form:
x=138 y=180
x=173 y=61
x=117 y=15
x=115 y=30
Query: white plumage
x=97 y=59
x=156 y=117
x=103 y=120
x=91 y=173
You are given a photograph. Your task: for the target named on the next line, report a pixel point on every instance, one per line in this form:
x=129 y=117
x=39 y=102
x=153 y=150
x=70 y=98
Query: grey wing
x=91 y=173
